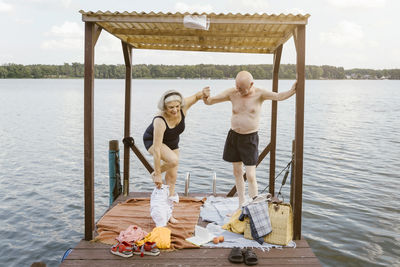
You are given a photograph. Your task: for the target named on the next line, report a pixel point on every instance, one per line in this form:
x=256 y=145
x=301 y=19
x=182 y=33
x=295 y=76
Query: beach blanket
x=136 y=211
x=215 y=210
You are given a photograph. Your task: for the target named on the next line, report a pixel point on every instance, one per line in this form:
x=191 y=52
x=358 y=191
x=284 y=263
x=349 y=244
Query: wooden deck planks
x=98 y=254
x=88 y=253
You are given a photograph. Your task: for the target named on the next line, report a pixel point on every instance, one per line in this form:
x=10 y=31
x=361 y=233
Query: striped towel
x=260 y=224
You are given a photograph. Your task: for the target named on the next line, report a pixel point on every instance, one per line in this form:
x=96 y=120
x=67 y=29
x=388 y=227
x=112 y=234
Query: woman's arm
x=189 y=101
x=158 y=135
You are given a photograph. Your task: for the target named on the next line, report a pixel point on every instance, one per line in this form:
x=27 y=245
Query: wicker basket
x=281 y=217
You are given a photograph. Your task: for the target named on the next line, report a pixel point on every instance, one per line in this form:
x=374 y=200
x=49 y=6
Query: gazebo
x=238 y=33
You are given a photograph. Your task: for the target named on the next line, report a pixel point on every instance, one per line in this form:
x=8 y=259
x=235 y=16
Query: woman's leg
x=171 y=174
x=170 y=179
x=169 y=157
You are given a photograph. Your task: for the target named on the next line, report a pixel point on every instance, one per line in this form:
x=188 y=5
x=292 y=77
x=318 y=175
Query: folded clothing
x=160 y=208
x=235 y=225
x=160 y=235
x=132 y=234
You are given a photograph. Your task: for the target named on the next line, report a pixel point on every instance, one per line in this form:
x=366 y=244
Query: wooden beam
x=295 y=38
x=127 y=49
x=131 y=143
x=89 y=130
x=189 y=32
x=205 y=49
x=191 y=41
x=299 y=132
x=284 y=39
x=274 y=119
x=97 y=33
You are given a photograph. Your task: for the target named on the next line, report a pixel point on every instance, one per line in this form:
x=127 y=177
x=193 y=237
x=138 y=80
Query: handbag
x=281 y=216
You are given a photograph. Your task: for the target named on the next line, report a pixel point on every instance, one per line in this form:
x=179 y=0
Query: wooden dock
x=97 y=254
x=88 y=253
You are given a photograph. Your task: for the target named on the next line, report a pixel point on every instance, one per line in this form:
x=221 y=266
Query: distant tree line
x=261 y=71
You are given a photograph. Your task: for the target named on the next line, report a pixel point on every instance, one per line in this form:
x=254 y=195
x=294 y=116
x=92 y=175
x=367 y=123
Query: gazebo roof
x=240 y=33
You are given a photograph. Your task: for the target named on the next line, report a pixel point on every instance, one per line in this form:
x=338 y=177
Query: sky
x=342 y=33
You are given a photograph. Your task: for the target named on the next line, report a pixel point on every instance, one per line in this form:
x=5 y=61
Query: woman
x=161 y=138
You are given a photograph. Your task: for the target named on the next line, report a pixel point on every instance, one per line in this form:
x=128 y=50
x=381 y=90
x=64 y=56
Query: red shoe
x=123 y=249
x=148 y=248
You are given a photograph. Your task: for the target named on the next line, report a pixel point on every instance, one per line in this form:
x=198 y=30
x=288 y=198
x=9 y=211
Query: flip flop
x=236 y=256
x=250 y=258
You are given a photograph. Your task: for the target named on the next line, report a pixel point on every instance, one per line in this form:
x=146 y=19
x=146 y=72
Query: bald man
x=241 y=146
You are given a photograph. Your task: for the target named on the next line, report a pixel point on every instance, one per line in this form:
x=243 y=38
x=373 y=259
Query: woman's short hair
x=168 y=96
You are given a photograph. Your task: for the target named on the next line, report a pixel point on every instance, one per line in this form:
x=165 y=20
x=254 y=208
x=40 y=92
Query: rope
x=284 y=178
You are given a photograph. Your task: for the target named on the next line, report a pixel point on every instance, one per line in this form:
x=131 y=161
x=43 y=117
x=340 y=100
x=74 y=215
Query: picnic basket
x=281 y=217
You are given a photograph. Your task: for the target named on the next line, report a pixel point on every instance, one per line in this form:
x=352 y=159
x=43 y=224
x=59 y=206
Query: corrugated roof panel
x=245 y=33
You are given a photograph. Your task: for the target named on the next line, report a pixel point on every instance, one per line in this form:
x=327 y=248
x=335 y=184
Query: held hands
x=206 y=93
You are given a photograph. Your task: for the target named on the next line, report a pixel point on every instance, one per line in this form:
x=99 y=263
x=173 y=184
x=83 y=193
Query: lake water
x=351 y=162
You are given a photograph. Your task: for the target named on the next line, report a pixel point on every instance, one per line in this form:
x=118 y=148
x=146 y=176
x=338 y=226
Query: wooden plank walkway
x=97 y=254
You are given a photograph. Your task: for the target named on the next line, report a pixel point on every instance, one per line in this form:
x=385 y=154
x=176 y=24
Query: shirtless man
x=241 y=146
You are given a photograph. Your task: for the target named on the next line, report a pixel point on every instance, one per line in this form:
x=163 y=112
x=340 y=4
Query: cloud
x=346 y=33
x=68 y=36
x=5 y=8
x=68 y=29
x=183 y=7
x=62 y=3
x=246 y=6
x=357 y=3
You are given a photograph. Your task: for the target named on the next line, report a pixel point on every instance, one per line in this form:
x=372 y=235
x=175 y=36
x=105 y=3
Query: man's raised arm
x=208 y=100
x=268 y=95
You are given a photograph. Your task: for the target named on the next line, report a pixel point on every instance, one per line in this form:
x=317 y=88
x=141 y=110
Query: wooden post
x=127 y=49
x=114 y=170
x=299 y=131
x=89 y=129
x=274 y=118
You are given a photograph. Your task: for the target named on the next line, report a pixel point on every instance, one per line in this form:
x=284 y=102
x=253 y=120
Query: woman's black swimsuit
x=171 y=135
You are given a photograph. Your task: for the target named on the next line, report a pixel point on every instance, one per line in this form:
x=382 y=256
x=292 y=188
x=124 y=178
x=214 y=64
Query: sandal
x=250 y=258
x=148 y=248
x=123 y=249
x=236 y=256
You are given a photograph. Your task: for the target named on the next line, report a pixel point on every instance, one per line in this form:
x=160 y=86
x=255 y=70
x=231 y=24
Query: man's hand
x=294 y=87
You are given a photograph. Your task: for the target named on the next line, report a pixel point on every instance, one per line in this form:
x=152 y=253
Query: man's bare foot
x=173 y=220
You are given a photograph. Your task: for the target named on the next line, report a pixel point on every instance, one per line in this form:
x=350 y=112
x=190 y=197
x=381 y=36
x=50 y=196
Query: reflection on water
x=351 y=168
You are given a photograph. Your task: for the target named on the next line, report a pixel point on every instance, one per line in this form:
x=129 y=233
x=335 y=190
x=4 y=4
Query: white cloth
x=160 y=209
x=161 y=205
x=200 y=22
x=237 y=240
x=216 y=209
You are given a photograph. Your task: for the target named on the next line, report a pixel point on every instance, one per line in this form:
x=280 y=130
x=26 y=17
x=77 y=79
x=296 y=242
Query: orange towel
x=136 y=211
